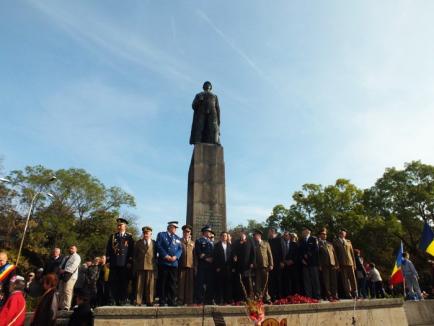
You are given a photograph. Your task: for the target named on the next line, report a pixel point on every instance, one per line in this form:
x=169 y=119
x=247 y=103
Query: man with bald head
x=7 y=270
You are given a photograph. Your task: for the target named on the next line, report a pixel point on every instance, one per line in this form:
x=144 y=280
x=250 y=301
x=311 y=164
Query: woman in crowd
x=46 y=311
x=13 y=312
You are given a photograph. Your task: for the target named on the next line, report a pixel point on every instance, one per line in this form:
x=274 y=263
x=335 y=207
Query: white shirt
x=225 y=246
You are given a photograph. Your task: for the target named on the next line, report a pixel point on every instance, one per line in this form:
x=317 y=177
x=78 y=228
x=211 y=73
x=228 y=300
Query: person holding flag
x=411 y=278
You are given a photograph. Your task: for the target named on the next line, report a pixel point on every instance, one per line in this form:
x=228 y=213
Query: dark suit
x=223 y=273
x=119 y=254
x=53 y=264
x=243 y=258
x=275 y=285
x=309 y=255
x=292 y=270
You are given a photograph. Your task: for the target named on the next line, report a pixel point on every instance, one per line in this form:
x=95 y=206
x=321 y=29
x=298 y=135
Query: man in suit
x=204 y=254
x=347 y=264
x=328 y=265
x=223 y=270
x=263 y=265
x=291 y=272
x=243 y=257
x=68 y=276
x=119 y=253
x=169 y=251
x=309 y=255
x=145 y=255
x=275 y=275
x=54 y=262
x=186 y=268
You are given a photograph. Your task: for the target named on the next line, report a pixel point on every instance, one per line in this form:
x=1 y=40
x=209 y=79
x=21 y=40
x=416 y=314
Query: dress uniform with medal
x=204 y=253
x=119 y=254
x=169 y=250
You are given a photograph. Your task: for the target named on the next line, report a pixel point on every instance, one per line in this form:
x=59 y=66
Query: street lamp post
x=29 y=213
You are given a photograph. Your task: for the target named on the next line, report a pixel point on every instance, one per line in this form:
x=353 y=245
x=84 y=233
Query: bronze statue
x=206 y=119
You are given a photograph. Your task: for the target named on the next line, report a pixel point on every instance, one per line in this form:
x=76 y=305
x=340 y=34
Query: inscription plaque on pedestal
x=206 y=201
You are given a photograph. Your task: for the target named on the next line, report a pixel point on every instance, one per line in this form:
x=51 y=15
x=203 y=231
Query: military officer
x=119 y=254
x=328 y=265
x=347 y=264
x=204 y=251
x=169 y=250
x=145 y=255
x=263 y=265
x=186 y=268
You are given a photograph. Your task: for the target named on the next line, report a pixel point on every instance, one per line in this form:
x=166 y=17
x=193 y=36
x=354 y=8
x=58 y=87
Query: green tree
x=82 y=210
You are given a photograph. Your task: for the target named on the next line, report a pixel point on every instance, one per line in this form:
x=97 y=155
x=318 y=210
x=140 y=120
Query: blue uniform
x=203 y=288
x=168 y=245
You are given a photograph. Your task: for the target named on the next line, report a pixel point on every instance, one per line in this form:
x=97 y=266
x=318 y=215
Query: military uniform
x=203 y=284
x=119 y=254
x=263 y=263
x=145 y=255
x=168 y=245
x=186 y=272
x=328 y=264
x=347 y=265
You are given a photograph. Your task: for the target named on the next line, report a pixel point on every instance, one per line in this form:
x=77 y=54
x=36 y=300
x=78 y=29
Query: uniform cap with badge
x=206 y=228
x=172 y=223
x=121 y=220
x=187 y=227
x=146 y=229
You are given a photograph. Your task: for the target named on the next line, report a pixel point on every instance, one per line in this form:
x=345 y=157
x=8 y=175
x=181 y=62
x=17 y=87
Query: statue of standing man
x=206 y=118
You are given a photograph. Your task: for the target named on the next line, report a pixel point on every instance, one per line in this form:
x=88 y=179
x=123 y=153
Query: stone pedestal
x=206 y=201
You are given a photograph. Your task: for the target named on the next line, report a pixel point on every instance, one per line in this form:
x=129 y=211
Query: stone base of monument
x=384 y=312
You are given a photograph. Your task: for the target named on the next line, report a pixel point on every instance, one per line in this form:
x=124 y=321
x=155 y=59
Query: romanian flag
x=397 y=277
x=5 y=270
x=427 y=240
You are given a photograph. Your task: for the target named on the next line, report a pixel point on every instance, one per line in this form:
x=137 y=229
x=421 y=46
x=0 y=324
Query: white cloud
x=97 y=33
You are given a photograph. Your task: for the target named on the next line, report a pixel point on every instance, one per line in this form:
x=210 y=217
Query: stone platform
x=384 y=312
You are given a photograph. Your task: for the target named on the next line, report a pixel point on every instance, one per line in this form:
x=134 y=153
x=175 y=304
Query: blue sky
x=309 y=92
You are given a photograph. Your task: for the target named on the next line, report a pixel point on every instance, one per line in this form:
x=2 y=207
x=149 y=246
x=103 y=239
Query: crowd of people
x=173 y=270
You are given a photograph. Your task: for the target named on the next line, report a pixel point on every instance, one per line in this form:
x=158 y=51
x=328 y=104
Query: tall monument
x=206 y=199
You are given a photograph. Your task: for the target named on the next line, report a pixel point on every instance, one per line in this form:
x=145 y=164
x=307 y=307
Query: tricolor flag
x=427 y=240
x=5 y=270
x=397 y=277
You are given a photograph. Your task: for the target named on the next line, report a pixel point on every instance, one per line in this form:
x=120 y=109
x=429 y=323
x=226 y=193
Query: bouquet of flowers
x=254 y=304
x=256 y=311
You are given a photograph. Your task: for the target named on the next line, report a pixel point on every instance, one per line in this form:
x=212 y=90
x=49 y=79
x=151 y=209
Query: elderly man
x=68 y=276
x=186 y=267
x=263 y=265
x=145 y=255
x=347 y=264
x=119 y=255
x=54 y=262
x=169 y=251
